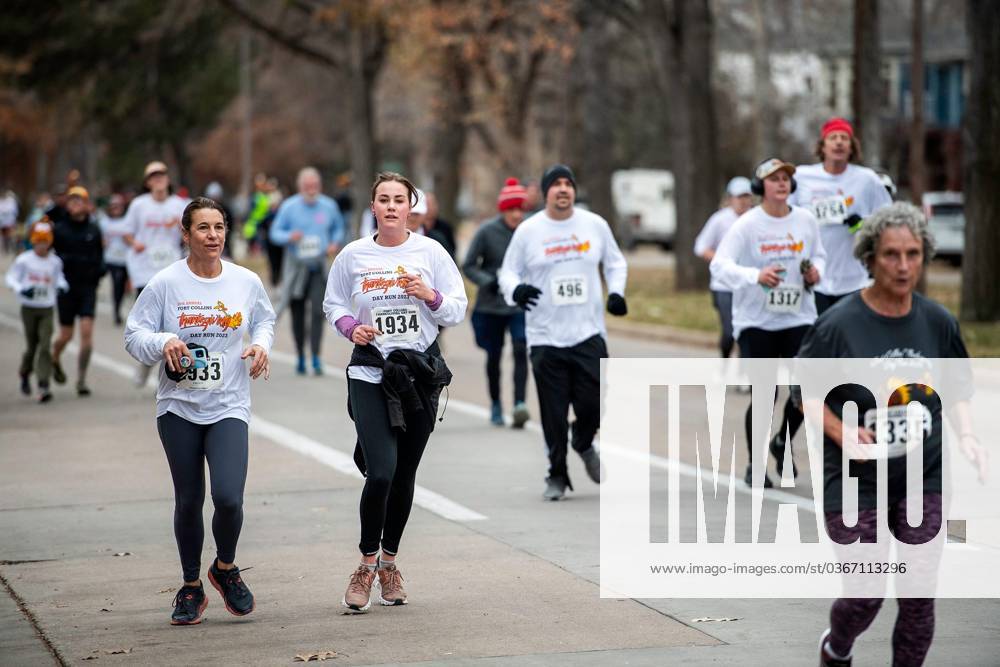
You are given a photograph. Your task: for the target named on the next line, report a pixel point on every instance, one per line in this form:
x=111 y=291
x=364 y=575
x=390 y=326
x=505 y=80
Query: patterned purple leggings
x=849 y=617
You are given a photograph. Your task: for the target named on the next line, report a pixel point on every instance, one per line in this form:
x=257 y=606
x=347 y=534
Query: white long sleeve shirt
x=711 y=236
x=44 y=274
x=562 y=259
x=156 y=225
x=758 y=240
x=114 y=230
x=365 y=284
x=832 y=198
x=215 y=313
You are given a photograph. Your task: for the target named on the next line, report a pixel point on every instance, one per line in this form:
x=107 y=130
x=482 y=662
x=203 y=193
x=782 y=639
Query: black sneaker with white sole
x=826 y=657
x=592 y=462
x=189 y=605
x=748 y=478
x=238 y=598
x=555 y=488
x=777 y=449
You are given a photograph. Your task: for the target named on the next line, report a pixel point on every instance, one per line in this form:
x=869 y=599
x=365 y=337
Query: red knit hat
x=512 y=195
x=836 y=125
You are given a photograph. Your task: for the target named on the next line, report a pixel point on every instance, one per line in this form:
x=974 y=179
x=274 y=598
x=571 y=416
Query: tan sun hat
x=154 y=167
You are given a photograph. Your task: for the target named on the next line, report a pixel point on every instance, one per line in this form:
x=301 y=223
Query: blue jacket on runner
x=320 y=223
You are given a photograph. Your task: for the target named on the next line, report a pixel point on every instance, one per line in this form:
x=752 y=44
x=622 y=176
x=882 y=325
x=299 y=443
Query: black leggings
x=119 y=276
x=391 y=460
x=565 y=376
x=188 y=445
x=760 y=344
x=315 y=290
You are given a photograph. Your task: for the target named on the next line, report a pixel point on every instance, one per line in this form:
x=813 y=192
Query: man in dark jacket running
x=78 y=243
x=492 y=317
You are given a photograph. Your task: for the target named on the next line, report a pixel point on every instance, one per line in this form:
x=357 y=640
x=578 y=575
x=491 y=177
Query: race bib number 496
x=398 y=324
x=569 y=290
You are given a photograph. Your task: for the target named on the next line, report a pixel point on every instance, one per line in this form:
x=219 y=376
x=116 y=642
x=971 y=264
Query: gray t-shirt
x=850 y=329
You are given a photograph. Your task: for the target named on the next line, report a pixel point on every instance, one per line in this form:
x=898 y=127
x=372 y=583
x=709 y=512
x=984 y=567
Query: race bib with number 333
x=204 y=375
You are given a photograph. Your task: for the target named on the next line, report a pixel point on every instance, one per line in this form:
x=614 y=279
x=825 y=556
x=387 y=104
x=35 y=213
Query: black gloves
x=526 y=295
x=853 y=222
x=616 y=305
x=28 y=292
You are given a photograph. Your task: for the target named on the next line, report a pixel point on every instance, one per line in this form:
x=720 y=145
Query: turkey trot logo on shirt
x=566 y=247
x=222 y=319
x=382 y=279
x=777 y=245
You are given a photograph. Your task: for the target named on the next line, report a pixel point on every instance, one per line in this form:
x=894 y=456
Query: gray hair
x=304 y=172
x=898 y=214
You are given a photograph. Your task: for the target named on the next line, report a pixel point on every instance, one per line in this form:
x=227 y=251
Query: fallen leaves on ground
x=310 y=657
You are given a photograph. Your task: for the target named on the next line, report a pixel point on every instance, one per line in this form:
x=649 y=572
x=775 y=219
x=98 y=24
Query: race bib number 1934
x=398 y=324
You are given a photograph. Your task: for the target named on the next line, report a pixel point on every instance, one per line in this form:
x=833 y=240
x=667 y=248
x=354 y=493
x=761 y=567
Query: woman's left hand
x=261 y=364
x=416 y=288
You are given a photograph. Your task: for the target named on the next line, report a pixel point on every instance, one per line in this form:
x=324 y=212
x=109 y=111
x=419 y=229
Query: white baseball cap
x=738 y=186
x=420 y=208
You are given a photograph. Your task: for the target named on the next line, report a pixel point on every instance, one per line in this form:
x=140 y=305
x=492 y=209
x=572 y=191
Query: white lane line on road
x=660 y=462
x=297 y=442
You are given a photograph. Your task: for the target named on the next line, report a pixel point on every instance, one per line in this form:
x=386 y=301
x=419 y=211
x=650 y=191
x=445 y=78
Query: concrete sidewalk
x=84 y=480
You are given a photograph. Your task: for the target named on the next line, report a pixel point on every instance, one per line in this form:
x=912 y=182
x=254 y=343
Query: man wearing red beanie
x=492 y=317
x=841 y=194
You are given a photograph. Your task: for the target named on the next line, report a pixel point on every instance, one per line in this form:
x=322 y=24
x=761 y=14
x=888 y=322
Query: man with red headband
x=840 y=193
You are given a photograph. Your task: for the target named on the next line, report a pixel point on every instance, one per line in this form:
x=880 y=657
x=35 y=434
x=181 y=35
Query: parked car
x=946 y=219
x=644 y=200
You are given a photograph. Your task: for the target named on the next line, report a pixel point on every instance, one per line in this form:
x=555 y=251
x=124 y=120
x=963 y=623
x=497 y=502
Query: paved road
x=496 y=576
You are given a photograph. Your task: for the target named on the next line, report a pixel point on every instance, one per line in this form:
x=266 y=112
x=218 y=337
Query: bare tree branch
x=485 y=135
x=289 y=42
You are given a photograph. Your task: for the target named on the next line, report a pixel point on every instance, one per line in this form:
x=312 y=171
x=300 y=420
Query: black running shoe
x=58 y=374
x=748 y=478
x=25 y=385
x=777 y=448
x=238 y=598
x=189 y=605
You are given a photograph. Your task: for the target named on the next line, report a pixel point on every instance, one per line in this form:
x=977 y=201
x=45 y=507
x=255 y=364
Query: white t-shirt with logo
x=832 y=198
x=711 y=236
x=366 y=283
x=562 y=258
x=44 y=274
x=215 y=313
x=157 y=225
x=113 y=230
x=758 y=240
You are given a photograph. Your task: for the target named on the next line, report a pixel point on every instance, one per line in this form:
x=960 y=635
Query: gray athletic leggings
x=188 y=445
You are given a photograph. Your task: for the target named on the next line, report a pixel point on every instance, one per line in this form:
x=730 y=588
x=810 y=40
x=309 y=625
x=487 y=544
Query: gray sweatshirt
x=482 y=262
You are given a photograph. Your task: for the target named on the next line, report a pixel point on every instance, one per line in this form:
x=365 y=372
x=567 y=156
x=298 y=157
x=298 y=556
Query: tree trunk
x=917 y=173
x=766 y=119
x=980 y=268
x=597 y=138
x=680 y=38
x=361 y=124
x=453 y=106
x=867 y=92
